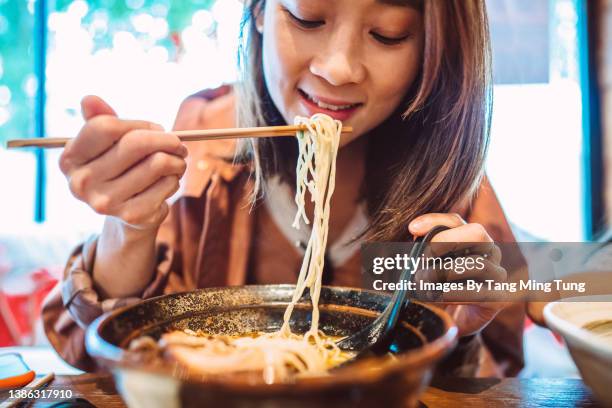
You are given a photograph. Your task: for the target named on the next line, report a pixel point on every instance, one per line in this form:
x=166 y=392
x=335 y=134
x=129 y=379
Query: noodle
x=282 y=354
x=316 y=171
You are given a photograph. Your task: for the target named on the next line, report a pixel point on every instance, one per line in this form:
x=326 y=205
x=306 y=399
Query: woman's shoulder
x=209 y=109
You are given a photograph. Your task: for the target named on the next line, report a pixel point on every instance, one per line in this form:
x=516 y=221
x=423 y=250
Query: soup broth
x=267 y=356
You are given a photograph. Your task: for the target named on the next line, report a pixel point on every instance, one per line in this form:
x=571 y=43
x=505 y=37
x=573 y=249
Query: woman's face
x=353 y=60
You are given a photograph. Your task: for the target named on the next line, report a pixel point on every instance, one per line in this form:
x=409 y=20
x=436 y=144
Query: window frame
x=40 y=62
x=592 y=134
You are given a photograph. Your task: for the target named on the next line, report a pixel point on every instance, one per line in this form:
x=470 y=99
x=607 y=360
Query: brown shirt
x=212 y=237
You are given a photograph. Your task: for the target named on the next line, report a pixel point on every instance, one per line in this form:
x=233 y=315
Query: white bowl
x=592 y=354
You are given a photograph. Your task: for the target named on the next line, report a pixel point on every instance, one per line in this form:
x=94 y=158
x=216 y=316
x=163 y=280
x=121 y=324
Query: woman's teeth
x=328 y=106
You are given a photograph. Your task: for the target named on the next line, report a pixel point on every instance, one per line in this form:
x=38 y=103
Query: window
x=537 y=152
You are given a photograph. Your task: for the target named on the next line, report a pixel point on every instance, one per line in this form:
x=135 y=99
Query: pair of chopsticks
x=184 y=135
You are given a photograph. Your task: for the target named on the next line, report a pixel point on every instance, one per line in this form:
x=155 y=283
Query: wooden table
x=99 y=389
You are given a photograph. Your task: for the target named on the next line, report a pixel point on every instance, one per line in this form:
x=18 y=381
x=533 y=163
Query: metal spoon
x=376 y=338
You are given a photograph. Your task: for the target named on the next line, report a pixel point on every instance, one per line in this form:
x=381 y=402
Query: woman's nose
x=339 y=62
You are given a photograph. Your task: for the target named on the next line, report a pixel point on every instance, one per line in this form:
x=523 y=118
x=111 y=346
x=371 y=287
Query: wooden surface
x=453 y=392
x=511 y=392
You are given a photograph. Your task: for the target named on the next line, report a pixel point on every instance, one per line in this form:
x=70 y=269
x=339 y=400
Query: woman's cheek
x=275 y=65
x=285 y=60
x=395 y=74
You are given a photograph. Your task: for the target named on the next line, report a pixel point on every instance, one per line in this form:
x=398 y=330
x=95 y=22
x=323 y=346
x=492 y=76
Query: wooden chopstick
x=184 y=135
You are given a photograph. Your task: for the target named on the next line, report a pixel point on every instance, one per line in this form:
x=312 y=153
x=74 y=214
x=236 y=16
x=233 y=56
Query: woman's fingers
x=89 y=182
x=471 y=319
x=97 y=136
x=113 y=194
x=490 y=250
x=461 y=237
x=424 y=223
x=465 y=233
x=132 y=148
x=459 y=231
x=92 y=105
x=149 y=208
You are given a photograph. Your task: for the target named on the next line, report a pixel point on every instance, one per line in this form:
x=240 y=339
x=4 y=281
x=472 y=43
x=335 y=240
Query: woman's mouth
x=339 y=110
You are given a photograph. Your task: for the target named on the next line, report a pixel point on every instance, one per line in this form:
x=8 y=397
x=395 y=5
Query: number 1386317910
x=40 y=394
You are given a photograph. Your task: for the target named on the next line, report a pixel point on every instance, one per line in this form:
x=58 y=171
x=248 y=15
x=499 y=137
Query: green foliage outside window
x=17 y=82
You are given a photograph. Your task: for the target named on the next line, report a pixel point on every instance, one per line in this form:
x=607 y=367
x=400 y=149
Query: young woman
x=412 y=79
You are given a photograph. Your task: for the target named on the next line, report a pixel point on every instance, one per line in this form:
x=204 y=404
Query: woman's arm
x=79 y=298
x=121 y=249
x=125 y=170
x=76 y=301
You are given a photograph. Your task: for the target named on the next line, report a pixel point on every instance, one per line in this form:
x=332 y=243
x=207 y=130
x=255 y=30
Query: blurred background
x=146 y=56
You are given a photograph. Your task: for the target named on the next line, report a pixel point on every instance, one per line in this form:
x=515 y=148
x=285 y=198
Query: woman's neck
x=350 y=171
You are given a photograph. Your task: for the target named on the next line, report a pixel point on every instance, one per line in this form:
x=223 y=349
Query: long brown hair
x=428 y=156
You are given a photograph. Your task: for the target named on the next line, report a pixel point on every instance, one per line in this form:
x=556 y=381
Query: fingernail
x=416 y=225
x=184 y=150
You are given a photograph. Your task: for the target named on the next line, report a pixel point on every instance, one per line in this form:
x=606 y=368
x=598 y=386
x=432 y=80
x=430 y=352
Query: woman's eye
x=389 y=40
x=305 y=23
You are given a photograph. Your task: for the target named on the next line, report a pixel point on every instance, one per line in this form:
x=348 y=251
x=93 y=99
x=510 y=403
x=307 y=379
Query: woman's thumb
x=92 y=106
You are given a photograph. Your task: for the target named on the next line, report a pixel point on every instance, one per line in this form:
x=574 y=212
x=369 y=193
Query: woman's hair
x=428 y=156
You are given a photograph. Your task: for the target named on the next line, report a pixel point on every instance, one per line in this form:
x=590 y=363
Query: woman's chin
x=348 y=139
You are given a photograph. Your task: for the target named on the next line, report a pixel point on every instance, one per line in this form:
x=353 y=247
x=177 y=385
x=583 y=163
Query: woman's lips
x=341 y=111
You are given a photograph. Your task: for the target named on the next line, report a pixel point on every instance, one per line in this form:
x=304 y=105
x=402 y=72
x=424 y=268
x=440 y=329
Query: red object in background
x=18 y=380
x=20 y=311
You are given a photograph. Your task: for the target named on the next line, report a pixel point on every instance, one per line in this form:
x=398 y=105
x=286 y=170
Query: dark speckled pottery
x=427 y=335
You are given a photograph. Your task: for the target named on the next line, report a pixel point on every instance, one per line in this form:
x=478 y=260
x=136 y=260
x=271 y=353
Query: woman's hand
x=123 y=168
x=470 y=317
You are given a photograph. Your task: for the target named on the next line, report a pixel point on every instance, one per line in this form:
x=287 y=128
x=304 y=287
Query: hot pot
x=427 y=334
